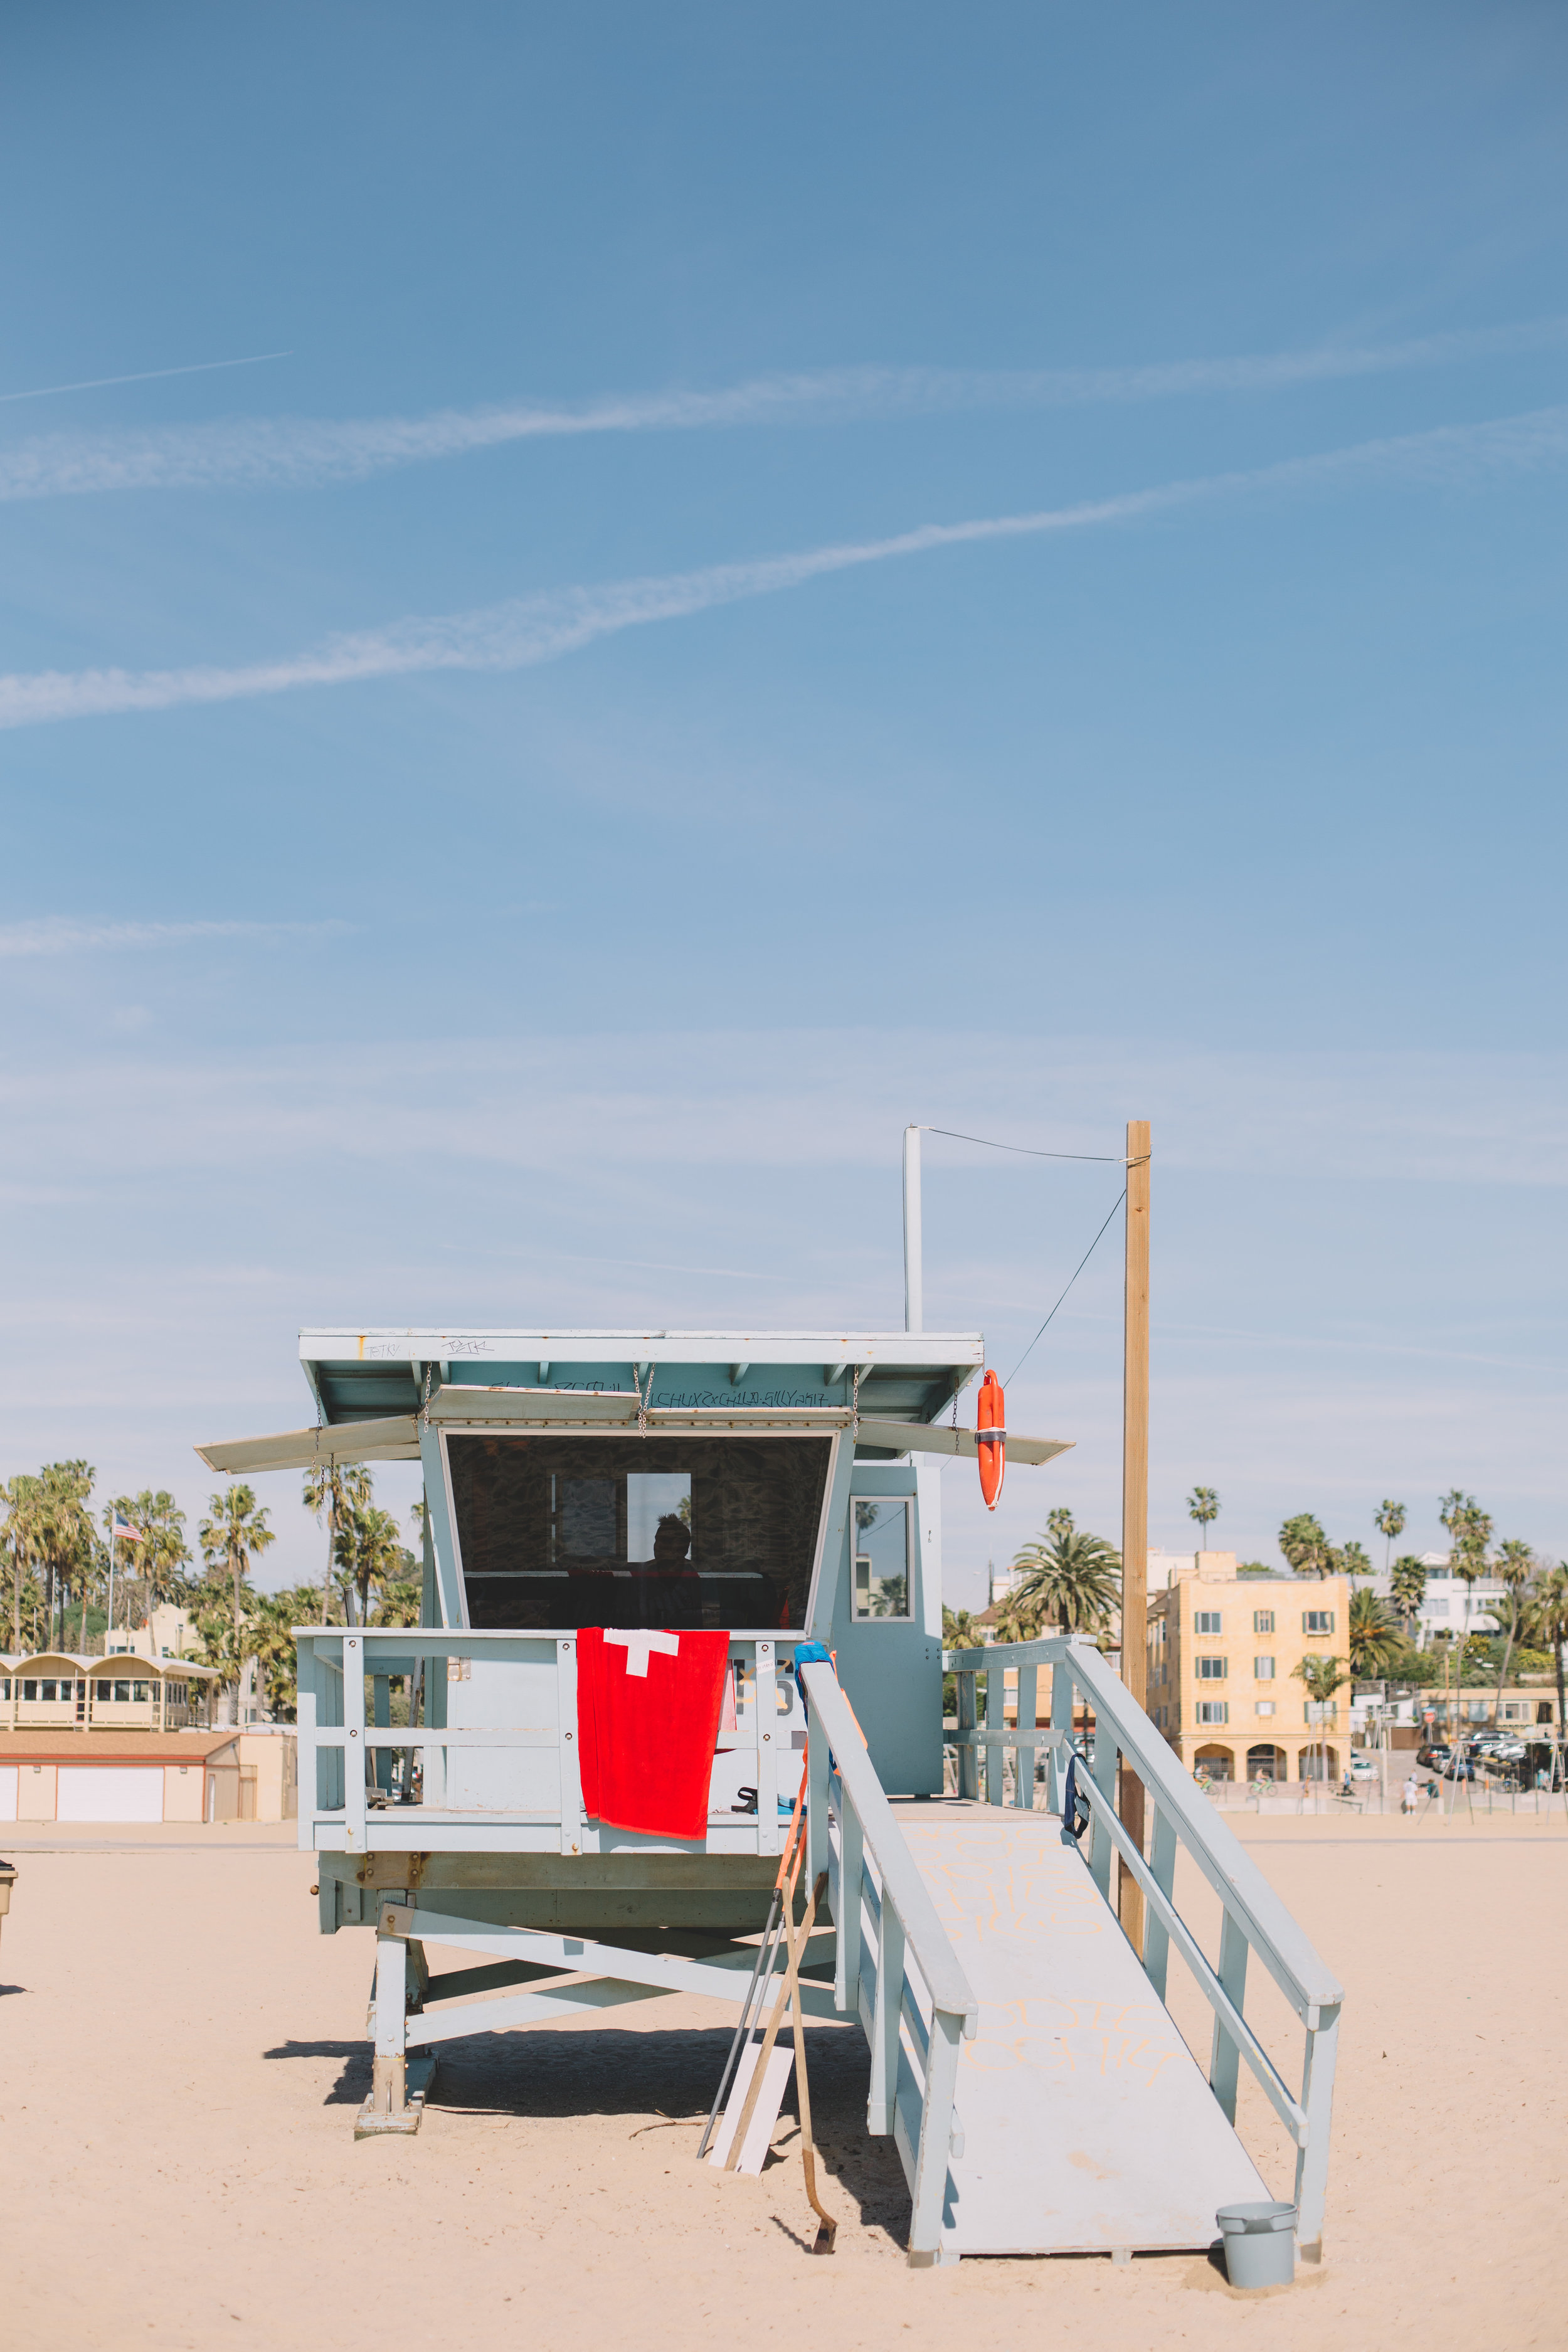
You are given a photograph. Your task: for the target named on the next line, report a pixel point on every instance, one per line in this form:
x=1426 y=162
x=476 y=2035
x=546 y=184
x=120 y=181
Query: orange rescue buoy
x=991 y=1433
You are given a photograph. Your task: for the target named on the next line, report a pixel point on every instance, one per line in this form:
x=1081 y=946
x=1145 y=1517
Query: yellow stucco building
x=1223 y=1650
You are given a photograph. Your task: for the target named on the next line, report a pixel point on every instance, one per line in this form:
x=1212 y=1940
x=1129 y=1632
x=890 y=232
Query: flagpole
x=108 y=1630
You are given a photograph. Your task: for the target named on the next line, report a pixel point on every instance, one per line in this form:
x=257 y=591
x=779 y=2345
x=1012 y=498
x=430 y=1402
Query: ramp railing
x=895 y=1967
x=1254 y=1919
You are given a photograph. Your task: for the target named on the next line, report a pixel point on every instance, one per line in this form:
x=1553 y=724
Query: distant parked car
x=1434 y=1753
x=1362 y=1768
x=1458 y=1768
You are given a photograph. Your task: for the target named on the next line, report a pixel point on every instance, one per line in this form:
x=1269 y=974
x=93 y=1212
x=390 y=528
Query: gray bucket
x=1259 y=2243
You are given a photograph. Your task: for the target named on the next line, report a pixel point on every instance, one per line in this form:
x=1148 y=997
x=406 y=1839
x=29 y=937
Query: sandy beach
x=184 y=2055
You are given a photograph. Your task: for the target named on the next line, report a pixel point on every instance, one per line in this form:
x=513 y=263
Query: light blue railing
x=1254 y=1919
x=895 y=1967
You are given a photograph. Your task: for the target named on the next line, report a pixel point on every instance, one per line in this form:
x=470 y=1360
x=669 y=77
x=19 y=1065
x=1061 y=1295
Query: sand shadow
x=672 y=2076
x=353 y=2080
x=6 y=1989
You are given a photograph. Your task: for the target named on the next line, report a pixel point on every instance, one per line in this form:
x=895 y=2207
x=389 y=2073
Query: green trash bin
x=1259 y=2243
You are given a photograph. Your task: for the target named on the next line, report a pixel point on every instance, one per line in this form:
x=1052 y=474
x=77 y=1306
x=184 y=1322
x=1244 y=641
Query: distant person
x=1409 y=1801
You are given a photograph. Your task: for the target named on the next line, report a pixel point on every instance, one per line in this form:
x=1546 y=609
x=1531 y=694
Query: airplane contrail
x=525 y=631
x=148 y=375
x=302 y=453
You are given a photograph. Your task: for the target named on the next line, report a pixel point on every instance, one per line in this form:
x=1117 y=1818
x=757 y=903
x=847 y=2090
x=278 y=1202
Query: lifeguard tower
x=784 y=1486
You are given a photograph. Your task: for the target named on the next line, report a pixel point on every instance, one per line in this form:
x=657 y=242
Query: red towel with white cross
x=647 y=1719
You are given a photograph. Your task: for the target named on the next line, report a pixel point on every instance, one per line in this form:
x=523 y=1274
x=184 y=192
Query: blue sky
x=762 y=577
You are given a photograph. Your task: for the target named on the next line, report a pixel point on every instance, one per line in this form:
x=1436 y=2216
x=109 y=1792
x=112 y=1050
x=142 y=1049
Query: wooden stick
x=753 y=2089
x=827 y=2229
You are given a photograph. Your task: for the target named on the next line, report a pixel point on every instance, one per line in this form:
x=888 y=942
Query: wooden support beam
x=1135 y=1497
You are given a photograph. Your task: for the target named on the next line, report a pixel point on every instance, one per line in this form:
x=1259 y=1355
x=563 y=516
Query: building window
x=1265 y=1706
x=139 y=1693
x=29 y=1689
x=103 y=1690
x=1263 y=1670
x=1317 y=1621
x=1263 y=1621
x=1435 y=1609
x=1211 y=1670
x=1212 y=1710
x=1207 y=1622
x=122 y=1691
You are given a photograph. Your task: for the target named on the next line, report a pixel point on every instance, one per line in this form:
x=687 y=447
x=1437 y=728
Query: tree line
x=1071 y=1582
x=59 y=1555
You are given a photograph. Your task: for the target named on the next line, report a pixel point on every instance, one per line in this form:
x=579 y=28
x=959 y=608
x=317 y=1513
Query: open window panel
x=558 y=1532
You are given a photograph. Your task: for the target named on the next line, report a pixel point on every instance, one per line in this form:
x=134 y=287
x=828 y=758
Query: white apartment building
x=1450 y=1605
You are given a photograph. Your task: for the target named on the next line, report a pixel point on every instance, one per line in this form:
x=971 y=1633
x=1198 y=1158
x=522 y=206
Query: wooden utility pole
x=1135 y=1497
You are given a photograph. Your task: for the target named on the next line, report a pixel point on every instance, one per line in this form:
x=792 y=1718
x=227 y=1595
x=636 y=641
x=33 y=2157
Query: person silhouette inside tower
x=673 y=1590
x=671 y=1544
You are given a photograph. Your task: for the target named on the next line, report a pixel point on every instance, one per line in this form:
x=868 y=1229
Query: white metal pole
x=109 y=1633
x=914 y=1299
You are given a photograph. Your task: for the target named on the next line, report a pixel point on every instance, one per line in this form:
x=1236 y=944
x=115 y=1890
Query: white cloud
x=185 y=1215
x=820 y=1099
x=52 y=935
x=293 y=453
x=525 y=631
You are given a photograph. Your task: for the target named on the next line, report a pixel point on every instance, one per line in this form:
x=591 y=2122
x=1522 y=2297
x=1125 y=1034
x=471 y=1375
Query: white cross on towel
x=639 y=1645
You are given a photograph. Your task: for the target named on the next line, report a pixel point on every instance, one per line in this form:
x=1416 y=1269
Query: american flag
x=123 y=1532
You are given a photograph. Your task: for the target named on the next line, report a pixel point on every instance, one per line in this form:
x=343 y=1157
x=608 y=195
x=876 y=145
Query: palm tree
x=1015 y=1621
x=162 y=1550
x=958 y=1629
x=1059 y=1522
x=1546 y=1627
x=23 y=1504
x=1322 y=1677
x=1305 y=1546
x=401 y=1601
x=1352 y=1561
x=337 y=1488
x=1203 y=1504
x=1073 y=1577
x=1374 y=1637
x=236 y=1534
x=1469 y=1532
x=163 y=1553
x=1408 y=1587
x=1389 y=1520
x=368 y=1553
x=1514 y=1566
x=270 y=1639
x=65 y=1537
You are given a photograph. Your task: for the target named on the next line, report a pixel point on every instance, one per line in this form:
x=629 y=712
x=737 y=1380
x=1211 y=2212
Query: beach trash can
x=8 y=1880
x=1259 y=2243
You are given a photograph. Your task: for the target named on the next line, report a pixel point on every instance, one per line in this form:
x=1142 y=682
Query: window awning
x=465 y=1406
